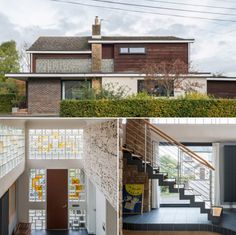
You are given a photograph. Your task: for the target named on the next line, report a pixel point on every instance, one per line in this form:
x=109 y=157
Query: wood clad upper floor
x=111 y=54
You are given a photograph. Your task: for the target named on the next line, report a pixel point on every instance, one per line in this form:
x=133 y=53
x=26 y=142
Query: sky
x=214 y=49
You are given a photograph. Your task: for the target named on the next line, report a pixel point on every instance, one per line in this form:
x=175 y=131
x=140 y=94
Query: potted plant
x=15 y=104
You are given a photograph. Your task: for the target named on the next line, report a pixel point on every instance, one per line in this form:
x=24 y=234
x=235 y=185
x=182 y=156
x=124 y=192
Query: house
x=50 y=177
x=178 y=175
x=62 y=66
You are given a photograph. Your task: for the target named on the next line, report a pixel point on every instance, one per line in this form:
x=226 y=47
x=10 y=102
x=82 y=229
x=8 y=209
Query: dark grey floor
x=169 y=215
x=58 y=232
x=179 y=216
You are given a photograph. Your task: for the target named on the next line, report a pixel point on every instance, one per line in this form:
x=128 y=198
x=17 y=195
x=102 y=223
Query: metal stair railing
x=187 y=167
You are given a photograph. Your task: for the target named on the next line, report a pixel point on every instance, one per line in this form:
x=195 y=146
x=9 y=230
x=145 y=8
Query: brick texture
x=135 y=139
x=44 y=96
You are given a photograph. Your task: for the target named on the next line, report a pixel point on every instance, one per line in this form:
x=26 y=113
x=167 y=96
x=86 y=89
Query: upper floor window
x=132 y=50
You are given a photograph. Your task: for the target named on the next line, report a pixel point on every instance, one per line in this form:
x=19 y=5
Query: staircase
x=190 y=186
x=185 y=193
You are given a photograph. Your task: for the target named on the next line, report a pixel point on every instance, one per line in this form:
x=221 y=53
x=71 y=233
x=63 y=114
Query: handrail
x=181 y=146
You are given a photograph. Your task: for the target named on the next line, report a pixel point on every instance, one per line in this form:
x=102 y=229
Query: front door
x=57 y=199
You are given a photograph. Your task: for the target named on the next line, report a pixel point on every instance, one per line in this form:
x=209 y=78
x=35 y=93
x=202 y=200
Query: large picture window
x=155 y=87
x=77 y=90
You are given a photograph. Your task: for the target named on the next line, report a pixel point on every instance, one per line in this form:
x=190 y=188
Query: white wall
x=132 y=84
x=91 y=207
x=100 y=213
x=111 y=220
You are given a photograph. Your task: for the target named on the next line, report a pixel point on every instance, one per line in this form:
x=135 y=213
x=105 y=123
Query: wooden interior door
x=57 y=199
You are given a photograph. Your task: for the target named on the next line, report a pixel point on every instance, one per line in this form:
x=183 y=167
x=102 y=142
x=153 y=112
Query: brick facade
x=44 y=96
x=135 y=139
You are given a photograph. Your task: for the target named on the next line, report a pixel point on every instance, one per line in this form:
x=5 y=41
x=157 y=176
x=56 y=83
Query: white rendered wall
x=132 y=84
x=100 y=213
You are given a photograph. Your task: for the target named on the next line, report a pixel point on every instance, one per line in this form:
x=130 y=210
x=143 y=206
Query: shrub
x=6 y=102
x=149 y=108
x=195 y=96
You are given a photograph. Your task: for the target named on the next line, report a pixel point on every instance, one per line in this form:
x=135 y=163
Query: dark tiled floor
x=169 y=215
x=58 y=232
x=180 y=219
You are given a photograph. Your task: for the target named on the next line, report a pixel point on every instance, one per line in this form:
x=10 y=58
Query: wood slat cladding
x=222 y=89
x=155 y=53
x=57 y=56
x=107 y=51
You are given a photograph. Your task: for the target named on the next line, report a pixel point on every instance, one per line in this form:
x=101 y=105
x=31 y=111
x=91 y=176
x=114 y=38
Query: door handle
x=64 y=206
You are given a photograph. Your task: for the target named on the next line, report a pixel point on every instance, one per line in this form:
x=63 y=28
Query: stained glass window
x=37 y=185
x=37 y=218
x=76 y=185
x=12 y=148
x=55 y=143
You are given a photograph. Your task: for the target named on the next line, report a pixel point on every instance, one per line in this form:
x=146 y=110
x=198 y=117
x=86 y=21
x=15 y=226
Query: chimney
x=96 y=28
x=96 y=47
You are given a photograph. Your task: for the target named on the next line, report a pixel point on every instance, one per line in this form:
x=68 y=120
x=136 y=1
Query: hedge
x=149 y=108
x=6 y=103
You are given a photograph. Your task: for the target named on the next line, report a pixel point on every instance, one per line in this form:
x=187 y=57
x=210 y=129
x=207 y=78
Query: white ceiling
x=200 y=133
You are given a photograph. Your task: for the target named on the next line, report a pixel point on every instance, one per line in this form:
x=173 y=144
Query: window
x=55 y=143
x=154 y=87
x=77 y=90
x=37 y=218
x=12 y=148
x=124 y=50
x=132 y=50
x=76 y=185
x=37 y=185
x=136 y=50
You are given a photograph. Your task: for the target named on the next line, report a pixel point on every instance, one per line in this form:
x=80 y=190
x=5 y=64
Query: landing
x=169 y=215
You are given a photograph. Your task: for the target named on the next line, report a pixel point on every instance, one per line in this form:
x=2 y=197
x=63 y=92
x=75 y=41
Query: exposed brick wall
x=44 y=96
x=131 y=175
x=100 y=158
x=135 y=139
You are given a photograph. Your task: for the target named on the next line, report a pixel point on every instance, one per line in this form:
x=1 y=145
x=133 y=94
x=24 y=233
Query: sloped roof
x=82 y=43
x=61 y=44
x=148 y=38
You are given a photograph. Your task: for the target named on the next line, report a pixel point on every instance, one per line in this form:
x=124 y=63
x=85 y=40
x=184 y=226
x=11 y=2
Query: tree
x=10 y=63
x=9 y=59
x=170 y=75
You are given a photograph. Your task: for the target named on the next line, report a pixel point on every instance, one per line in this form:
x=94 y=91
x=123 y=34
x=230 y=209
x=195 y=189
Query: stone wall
x=44 y=96
x=100 y=158
x=63 y=65
x=107 y=65
x=96 y=58
x=70 y=65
